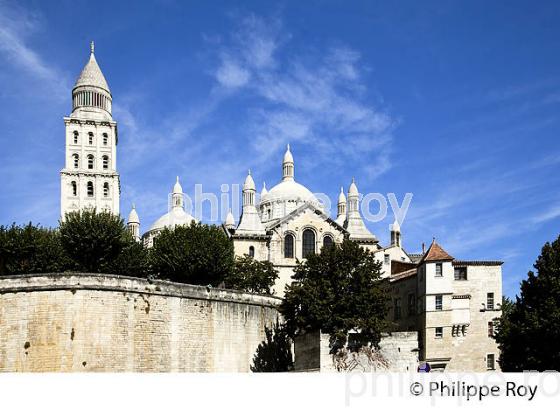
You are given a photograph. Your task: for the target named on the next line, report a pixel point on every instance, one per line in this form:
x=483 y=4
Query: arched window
x=90 y=136
x=105 y=162
x=90 y=161
x=289 y=246
x=74 y=188
x=76 y=158
x=90 y=189
x=252 y=251
x=76 y=137
x=106 y=189
x=308 y=245
x=105 y=138
x=327 y=241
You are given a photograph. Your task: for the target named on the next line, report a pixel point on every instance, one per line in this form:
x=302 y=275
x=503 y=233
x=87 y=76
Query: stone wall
x=398 y=353
x=88 y=322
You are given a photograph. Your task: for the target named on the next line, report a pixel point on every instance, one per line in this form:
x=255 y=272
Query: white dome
x=177 y=216
x=341 y=197
x=133 y=216
x=91 y=75
x=249 y=182
x=288 y=155
x=264 y=191
x=177 y=188
x=353 y=189
x=229 y=219
x=290 y=189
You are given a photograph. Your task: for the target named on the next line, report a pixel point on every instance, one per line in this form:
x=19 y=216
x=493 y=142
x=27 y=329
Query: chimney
x=423 y=248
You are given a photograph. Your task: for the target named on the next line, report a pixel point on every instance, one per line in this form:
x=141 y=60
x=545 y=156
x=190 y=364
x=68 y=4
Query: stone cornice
x=90 y=281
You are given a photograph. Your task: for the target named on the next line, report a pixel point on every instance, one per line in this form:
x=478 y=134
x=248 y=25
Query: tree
x=197 y=254
x=31 y=249
x=337 y=291
x=94 y=240
x=528 y=334
x=274 y=354
x=250 y=275
x=131 y=261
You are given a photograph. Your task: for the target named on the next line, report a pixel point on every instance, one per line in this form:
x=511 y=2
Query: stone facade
x=453 y=305
x=89 y=178
x=399 y=352
x=81 y=322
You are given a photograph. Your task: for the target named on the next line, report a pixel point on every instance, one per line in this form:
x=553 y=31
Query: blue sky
x=455 y=102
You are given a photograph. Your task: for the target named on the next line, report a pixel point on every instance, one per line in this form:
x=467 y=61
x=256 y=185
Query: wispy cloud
x=317 y=101
x=16 y=25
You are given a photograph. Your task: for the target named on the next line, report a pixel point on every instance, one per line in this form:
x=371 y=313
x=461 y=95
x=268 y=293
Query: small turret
x=133 y=224
x=288 y=165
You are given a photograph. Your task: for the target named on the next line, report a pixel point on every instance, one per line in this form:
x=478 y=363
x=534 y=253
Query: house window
x=397 y=312
x=90 y=136
x=90 y=161
x=74 y=188
x=90 y=189
x=461 y=273
x=386 y=259
x=105 y=139
x=490 y=301
x=75 y=137
x=439 y=332
x=105 y=162
x=490 y=362
x=327 y=241
x=76 y=158
x=289 y=246
x=308 y=245
x=439 y=270
x=411 y=304
x=439 y=302
x=491 y=329
x=106 y=189
x=252 y=251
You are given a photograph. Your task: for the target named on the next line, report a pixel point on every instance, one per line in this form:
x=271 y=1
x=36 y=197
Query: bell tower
x=89 y=178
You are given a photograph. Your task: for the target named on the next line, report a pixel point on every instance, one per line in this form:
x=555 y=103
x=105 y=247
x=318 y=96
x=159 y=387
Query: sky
x=457 y=103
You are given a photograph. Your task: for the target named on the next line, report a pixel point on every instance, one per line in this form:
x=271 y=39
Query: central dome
x=176 y=217
x=286 y=196
x=287 y=190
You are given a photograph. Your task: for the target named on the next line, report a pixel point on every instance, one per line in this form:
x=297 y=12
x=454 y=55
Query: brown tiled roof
x=400 y=266
x=436 y=253
x=403 y=275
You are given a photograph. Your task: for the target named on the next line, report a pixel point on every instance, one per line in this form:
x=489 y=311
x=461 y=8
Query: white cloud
x=318 y=101
x=15 y=26
x=230 y=74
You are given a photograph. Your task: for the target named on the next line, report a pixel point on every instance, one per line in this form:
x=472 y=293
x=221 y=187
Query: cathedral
x=451 y=303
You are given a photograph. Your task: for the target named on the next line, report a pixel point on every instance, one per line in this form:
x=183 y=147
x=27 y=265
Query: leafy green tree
x=94 y=240
x=197 y=254
x=31 y=249
x=274 y=354
x=250 y=275
x=337 y=291
x=131 y=261
x=528 y=334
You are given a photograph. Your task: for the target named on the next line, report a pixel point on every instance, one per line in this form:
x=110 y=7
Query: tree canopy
x=197 y=254
x=94 y=240
x=274 y=354
x=338 y=291
x=251 y=275
x=31 y=249
x=528 y=334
